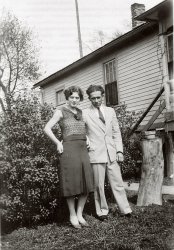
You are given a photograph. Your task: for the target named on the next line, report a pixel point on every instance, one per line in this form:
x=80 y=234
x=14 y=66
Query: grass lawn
x=149 y=228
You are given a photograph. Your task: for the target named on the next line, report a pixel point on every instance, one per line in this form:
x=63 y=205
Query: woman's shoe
x=82 y=221
x=84 y=224
x=74 y=222
x=76 y=226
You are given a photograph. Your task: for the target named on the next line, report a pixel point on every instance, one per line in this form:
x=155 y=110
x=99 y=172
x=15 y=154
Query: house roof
x=157 y=12
x=137 y=33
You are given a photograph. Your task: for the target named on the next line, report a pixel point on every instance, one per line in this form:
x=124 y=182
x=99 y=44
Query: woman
x=76 y=177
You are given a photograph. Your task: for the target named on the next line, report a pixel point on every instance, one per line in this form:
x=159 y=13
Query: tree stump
x=150 y=189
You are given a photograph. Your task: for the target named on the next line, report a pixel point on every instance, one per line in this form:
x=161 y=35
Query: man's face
x=96 y=98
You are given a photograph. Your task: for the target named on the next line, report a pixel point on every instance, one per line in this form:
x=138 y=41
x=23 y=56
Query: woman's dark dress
x=76 y=176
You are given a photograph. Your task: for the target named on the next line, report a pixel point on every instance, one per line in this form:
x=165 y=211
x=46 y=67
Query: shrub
x=29 y=163
x=132 y=149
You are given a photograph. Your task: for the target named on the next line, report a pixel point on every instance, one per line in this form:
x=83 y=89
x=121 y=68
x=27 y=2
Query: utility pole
x=78 y=28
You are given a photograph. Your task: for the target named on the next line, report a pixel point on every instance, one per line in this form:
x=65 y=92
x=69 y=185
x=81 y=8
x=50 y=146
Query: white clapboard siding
x=151 y=93
x=132 y=57
x=142 y=86
x=142 y=66
x=153 y=44
x=93 y=74
x=144 y=74
x=147 y=80
x=139 y=75
x=144 y=58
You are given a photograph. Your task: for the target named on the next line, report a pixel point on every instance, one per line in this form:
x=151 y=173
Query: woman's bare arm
x=48 y=130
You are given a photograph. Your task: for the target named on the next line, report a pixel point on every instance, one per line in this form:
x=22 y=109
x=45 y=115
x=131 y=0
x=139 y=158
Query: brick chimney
x=136 y=10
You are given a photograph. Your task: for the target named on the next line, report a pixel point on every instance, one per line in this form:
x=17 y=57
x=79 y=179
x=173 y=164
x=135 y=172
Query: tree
x=99 y=39
x=18 y=58
x=117 y=34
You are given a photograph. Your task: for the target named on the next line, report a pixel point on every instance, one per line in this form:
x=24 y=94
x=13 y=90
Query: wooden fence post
x=150 y=189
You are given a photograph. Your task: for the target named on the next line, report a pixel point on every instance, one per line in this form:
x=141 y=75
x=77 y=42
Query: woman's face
x=73 y=100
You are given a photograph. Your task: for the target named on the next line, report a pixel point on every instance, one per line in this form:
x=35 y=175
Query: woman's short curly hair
x=93 y=88
x=69 y=91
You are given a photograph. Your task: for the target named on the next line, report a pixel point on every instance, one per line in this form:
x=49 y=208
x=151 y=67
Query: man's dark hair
x=69 y=91
x=93 y=88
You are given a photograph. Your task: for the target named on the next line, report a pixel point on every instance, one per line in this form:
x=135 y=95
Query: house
x=132 y=68
x=129 y=67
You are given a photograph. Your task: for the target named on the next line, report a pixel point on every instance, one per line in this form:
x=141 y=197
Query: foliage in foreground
x=148 y=228
x=28 y=163
x=132 y=148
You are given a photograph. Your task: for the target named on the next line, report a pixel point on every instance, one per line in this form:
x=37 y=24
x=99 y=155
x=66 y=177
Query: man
x=105 y=151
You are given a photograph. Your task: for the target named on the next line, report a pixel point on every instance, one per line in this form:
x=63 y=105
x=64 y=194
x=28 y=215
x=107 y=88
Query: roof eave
x=153 y=14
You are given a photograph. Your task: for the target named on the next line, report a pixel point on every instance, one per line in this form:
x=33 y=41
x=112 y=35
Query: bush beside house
x=29 y=163
x=132 y=148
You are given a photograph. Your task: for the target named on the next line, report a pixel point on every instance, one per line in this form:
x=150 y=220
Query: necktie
x=101 y=117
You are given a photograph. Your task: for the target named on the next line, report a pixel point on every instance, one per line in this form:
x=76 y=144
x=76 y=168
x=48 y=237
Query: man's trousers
x=115 y=179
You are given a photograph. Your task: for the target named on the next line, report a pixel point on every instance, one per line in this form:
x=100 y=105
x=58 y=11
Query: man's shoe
x=102 y=217
x=128 y=215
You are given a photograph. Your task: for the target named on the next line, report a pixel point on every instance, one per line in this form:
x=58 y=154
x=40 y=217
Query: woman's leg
x=80 y=207
x=73 y=216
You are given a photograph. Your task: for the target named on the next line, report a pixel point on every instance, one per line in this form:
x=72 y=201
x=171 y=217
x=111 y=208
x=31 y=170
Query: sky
x=54 y=25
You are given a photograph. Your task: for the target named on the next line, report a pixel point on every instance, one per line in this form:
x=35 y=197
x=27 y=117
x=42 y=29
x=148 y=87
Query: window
x=170 y=52
x=60 y=98
x=42 y=95
x=111 y=91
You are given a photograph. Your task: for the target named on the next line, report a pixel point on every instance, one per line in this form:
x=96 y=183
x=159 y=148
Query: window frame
x=57 y=90
x=169 y=57
x=111 y=84
x=168 y=48
x=42 y=95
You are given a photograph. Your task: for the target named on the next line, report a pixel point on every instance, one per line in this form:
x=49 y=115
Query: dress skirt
x=76 y=176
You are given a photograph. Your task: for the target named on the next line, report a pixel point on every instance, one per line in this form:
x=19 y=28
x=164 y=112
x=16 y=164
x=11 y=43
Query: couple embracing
x=91 y=146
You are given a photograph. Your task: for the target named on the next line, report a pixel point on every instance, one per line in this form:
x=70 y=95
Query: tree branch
x=17 y=72
x=10 y=66
x=2 y=105
x=3 y=87
x=88 y=46
x=1 y=84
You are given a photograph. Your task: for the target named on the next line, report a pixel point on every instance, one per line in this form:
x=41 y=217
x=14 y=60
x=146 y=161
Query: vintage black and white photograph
x=86 y=125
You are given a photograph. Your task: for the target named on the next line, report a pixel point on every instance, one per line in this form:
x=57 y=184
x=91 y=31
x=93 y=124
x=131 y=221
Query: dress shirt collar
x=101 y=109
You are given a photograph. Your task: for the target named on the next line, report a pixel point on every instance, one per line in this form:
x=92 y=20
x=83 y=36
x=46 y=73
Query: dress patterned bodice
x=72 y=124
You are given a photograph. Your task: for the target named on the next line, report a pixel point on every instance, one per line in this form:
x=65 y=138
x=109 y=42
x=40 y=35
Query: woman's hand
x=87 y=142
x=119 y=157
x=60 y=147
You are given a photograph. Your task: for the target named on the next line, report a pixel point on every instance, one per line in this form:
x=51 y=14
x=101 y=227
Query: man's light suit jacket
x=105 y=139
